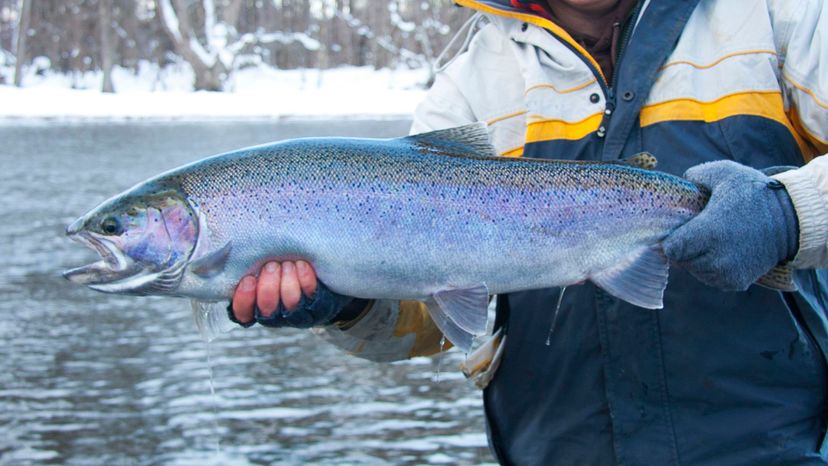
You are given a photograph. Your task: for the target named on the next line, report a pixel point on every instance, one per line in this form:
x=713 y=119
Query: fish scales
x=368 y=206
x=414 y=217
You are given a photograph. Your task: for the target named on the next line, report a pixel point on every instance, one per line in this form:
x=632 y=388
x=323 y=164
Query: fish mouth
x=113 y=266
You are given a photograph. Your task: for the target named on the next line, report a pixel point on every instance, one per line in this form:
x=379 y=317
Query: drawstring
x=471 y=24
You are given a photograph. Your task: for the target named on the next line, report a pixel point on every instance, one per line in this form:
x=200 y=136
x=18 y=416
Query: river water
x=94 y=379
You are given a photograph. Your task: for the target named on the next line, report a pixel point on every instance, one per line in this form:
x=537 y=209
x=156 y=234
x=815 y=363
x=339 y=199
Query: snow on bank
x=254 y=93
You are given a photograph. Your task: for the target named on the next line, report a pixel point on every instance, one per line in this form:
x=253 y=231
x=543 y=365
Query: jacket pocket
x=759 y=142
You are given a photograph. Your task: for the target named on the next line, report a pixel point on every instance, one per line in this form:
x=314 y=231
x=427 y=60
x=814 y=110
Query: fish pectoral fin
x=779 y=278
x=212 y=263
x=639 y=279
x=461 y=314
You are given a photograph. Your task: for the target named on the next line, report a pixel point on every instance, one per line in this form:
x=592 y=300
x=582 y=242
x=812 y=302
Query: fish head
x=144 y=240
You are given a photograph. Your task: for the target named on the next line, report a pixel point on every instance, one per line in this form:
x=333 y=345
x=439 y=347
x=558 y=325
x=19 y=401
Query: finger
x=307 y=278
x=243 y=299
x=267 y=292
x=290 y=290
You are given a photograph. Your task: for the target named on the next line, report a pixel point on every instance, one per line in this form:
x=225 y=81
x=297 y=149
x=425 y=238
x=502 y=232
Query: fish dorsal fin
x=212 y=263
x=644 y=160
x=460 y=314
x=468 y=140
x=639 y=279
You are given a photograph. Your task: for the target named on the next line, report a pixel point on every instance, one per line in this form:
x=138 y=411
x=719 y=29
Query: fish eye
x=111 y=226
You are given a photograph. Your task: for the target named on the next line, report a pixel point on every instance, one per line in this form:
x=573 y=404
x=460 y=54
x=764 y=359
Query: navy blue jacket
x=713 y=378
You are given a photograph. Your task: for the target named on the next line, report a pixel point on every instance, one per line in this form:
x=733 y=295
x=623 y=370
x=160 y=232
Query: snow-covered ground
x=253 y=93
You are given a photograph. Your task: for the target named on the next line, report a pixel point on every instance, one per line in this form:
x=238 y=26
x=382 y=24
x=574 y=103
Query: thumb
x=693 y=239
x=679 y=245
x=712 y=173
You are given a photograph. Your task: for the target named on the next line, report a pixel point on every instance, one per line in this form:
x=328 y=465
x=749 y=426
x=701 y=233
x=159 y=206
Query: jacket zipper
x=626 y=34
x=609 y=87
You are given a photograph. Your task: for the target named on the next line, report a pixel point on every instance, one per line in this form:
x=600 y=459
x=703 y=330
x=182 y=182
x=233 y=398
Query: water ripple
x=92 y=379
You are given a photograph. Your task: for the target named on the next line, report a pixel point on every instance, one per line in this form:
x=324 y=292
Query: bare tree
x=105 y=27
x=217 y=37
x=389 y=35
x=22 y=33
x=213 y=47
x=208 y=64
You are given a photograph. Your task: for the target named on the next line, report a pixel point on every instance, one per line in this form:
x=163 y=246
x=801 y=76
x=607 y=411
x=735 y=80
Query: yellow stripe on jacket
x=765 y=104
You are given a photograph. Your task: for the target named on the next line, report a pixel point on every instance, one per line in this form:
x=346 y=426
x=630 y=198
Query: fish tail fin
x=779 y=278
x=468 y=140
x=639 y=279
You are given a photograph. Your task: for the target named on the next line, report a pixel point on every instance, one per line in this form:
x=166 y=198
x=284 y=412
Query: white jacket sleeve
x=387 y=331
x=481 y=84
x=808 y=188
x=443 y=107
x=802 y=45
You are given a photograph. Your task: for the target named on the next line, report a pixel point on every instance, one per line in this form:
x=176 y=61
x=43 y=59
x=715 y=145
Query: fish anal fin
x=639 y=279
x=212 y=263
x=460 y=314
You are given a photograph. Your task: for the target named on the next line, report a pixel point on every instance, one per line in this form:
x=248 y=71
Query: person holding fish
x=732 y=94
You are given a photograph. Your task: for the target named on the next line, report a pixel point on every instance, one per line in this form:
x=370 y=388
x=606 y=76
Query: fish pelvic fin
x=461 y=314
x=468 y=140
x=779 y=278
x=639 y=279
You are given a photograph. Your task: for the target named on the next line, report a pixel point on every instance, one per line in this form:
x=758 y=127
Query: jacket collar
x=504 y=9
x=657 y=30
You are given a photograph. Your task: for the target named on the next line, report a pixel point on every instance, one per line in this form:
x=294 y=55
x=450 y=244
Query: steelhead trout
x=435 y=217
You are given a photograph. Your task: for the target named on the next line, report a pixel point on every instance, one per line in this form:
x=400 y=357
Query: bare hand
x=286 y=282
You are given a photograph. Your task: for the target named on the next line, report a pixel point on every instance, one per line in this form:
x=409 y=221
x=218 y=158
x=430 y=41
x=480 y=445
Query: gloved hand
x=748 y=226
x=289 y=295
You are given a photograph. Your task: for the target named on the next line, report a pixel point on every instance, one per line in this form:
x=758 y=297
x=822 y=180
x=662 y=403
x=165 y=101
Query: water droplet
x=555 y=317
x=214 y=398
x=440 y=359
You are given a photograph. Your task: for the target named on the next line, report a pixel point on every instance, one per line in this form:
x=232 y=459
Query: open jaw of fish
x=113 y=267
x=116 y=272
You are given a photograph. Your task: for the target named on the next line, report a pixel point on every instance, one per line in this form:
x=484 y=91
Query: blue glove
x=748 y=226
x=324 y=308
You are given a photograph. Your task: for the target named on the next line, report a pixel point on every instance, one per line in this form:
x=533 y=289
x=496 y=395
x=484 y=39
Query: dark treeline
x=216 y=37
